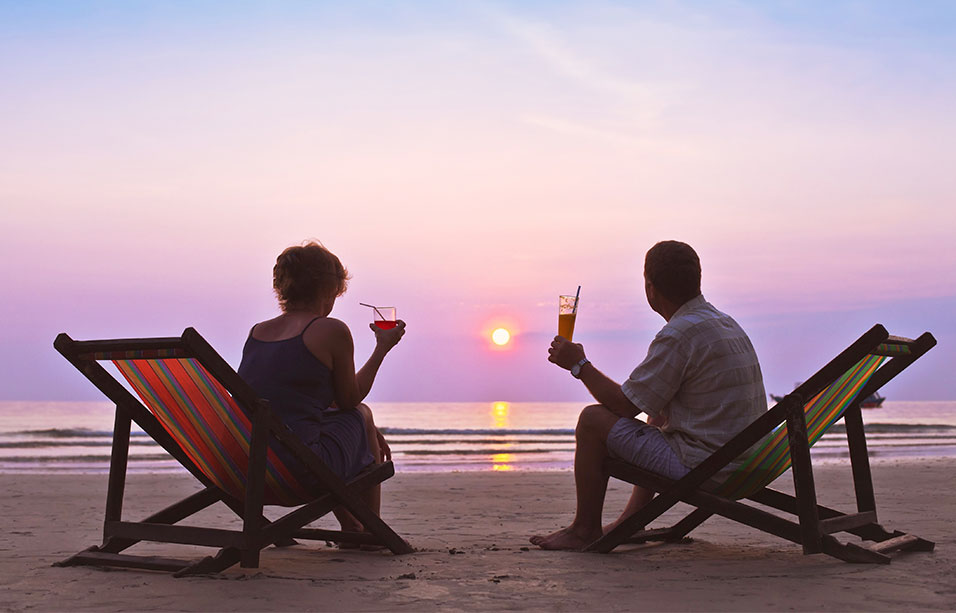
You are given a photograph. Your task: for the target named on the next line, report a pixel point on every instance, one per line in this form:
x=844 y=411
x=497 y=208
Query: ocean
x=74 y=437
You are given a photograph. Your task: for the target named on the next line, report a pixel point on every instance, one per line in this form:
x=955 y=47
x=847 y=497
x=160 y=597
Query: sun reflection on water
x=502 y=462
x=499 y=419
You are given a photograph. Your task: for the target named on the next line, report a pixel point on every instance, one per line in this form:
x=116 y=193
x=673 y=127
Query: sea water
x=75 y=437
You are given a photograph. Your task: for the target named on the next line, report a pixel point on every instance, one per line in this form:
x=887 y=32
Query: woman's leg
x=372 y=496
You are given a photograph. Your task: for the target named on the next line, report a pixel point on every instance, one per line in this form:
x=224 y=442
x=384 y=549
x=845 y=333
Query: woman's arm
x=331 y=342
x=384 y=341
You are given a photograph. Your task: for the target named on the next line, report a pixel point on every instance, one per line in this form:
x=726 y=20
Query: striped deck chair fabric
x=772 y=457
x=206 y=421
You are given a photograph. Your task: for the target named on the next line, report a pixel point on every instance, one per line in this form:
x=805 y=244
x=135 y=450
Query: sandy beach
x=471 y=530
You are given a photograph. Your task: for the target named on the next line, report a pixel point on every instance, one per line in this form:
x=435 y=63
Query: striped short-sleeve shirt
x=702 y=376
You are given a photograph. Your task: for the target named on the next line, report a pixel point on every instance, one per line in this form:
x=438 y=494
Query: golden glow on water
x=500 y=419
x=502 y=462
x=499 y=414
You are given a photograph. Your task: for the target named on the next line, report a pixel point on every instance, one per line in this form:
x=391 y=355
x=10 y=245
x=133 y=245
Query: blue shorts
x=644 y=446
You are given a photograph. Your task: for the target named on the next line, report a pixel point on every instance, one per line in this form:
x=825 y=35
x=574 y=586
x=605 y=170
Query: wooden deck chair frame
x=242 y=546
x=815 y=523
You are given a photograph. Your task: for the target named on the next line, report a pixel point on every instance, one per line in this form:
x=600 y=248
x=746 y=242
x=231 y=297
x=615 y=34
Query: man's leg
x=640 y=496
x=590 y=481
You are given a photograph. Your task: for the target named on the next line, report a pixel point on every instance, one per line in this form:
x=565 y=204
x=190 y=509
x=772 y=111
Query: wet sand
x=471 y=530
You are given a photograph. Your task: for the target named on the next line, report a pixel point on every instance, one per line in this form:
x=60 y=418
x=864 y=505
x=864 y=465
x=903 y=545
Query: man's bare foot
x=565 y=539
x=614 y=524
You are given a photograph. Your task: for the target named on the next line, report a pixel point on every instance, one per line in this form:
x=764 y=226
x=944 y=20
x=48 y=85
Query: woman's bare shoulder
x=328 y=327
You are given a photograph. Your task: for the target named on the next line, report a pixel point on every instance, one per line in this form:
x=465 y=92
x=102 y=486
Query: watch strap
x=576 y=369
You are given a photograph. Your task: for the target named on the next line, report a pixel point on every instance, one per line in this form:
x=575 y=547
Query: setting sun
x=500 y=336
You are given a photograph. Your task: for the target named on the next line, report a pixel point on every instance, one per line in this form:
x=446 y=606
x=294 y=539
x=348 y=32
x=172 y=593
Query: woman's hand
x=384 y=451
x=386 y=339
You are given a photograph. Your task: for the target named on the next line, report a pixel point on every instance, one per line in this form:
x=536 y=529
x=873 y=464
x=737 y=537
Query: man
x=700 y=384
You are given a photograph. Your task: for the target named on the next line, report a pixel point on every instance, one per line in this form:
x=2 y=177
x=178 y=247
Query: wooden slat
x=164 y=533
x=212 y=564
x=899 y=542
x=337 y=536
x=122 y=344
x=851 y=552
x=100 y=558
x=847 y=522
x=786 y=502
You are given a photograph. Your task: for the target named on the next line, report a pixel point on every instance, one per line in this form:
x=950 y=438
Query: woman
x=302 y=362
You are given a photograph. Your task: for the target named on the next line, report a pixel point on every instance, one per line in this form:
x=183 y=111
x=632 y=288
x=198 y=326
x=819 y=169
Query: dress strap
x=312 y=321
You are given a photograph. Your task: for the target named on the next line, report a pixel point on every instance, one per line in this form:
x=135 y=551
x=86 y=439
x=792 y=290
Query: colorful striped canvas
x=205 y=420
x=772 y=458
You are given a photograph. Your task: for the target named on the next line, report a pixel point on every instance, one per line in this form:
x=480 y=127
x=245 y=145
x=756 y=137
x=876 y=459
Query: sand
x=471 y=530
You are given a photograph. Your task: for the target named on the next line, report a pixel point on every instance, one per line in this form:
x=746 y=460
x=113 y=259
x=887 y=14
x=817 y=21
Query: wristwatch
x=576 y=369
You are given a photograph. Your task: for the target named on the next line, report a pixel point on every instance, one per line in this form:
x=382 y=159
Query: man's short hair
x=673 y=268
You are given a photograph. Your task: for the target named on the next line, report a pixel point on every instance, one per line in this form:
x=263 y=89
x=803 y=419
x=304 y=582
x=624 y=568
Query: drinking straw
x=376 y=309
x=575 y=311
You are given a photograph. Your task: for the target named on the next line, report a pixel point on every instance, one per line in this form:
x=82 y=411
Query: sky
x=469 y=162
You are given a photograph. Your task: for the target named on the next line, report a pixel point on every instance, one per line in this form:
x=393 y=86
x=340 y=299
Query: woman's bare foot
x=566 y=539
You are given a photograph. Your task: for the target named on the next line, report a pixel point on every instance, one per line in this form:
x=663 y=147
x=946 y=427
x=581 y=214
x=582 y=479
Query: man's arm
x=605 y=390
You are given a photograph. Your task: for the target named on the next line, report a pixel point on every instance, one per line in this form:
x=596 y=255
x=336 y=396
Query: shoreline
x=515 y=468
x=471 y=531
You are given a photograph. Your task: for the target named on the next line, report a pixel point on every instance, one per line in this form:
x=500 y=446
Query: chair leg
x=674 y=533
x=811 y=536
x=374 y=524
x=255 y=487
x=684 y=526
x=249 y=558
x=859 y=459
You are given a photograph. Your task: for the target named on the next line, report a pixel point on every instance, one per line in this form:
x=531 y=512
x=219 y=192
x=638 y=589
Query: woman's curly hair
x=307 y=272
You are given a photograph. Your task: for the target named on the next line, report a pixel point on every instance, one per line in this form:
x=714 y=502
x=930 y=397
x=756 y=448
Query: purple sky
x=470 y=162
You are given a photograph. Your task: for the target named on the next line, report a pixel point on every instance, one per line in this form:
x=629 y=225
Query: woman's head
x=305 y=274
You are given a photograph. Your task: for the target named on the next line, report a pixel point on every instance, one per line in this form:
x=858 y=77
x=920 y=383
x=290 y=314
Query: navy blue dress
x=299 y=388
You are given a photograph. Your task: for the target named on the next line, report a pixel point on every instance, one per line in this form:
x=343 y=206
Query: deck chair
x=195 y=406
x=783 y=436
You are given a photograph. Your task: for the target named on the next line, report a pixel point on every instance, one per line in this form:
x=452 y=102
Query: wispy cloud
x=633 y=105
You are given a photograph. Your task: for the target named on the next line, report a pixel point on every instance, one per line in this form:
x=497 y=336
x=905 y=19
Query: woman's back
x=284 y=372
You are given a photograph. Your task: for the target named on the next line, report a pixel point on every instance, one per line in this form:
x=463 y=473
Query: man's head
x=671 y=275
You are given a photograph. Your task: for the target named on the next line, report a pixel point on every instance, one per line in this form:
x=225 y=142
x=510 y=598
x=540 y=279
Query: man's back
x=701 y=373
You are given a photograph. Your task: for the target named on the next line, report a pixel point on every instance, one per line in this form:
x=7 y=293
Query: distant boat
x=873 y=401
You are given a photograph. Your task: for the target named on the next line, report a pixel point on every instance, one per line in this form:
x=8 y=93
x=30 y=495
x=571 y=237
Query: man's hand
x=564 y=353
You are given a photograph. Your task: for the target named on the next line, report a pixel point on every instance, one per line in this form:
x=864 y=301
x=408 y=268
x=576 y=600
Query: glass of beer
x=384 y=317
x=567 y=311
